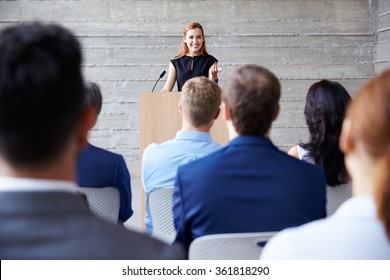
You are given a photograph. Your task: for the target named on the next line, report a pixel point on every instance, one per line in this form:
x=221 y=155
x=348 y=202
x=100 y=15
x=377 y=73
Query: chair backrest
x=335 y=196
x=161 y=213
x=103 y=202
x=229 y=246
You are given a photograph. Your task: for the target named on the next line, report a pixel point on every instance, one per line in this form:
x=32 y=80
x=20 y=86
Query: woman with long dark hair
x=325 y=106
x=360 y=229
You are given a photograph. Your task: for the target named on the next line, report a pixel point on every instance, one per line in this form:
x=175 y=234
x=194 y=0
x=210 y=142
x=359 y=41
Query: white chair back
x=229 y=246
x=161 y=213
x=103 y=202
x=335 y=196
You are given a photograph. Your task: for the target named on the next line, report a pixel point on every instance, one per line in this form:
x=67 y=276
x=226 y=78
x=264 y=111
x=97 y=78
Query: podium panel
x=160 y=120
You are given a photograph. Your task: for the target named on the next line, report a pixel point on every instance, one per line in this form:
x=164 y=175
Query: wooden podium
x=160 y=120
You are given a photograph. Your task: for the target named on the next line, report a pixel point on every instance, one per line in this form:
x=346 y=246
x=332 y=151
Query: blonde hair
x=200 y=99
x=370 y=115
x=183 y=50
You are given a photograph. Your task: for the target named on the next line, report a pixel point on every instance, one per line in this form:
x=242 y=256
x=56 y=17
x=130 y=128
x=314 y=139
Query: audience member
x=193 y=60
x=43 y=125
x=360 y=228
x=325 y=106
x=199 y=107
x=250 y=185
x=100 y=168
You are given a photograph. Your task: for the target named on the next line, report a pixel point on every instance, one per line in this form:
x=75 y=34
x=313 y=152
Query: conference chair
x=335 y=196
x=103 y=202
x=229 y=246
x=161 y=213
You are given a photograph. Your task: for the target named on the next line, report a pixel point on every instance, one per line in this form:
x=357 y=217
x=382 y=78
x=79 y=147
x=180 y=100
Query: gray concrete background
x=127 y=44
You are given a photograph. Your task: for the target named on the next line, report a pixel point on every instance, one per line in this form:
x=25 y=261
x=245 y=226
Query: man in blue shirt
x=199 y=107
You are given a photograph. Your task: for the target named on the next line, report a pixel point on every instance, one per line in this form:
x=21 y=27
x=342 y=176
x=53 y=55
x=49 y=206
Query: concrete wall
x=382 y=60
x=127 y=44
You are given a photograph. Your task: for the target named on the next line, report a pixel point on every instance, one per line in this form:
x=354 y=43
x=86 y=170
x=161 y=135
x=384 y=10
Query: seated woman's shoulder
x=293 y=151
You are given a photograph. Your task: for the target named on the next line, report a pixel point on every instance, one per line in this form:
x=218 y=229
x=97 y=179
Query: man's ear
x=346 y=142
x=225 y=112
x=86 y=121
x=180 y=107
x=277 y=111
x=217 y=113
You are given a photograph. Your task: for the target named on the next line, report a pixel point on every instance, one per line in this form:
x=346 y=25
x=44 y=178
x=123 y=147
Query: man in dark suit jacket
x=97 y=167
x=43 y=125
x=250 y=185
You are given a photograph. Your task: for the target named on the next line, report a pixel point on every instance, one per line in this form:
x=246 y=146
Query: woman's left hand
x=213 y=72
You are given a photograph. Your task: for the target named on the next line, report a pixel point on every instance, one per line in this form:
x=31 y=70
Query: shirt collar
x=29 y=184
x=193 y=135
x=251 y=140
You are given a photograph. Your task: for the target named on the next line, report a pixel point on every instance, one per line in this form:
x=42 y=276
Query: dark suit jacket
x=248 y=186
x=99 y=168
x=59 y=225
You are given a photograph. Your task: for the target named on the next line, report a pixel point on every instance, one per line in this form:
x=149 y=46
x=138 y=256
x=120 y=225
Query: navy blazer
x=248 y=186
x=99 y=168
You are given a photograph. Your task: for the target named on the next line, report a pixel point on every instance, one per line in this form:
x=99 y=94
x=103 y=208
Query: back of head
x=41 y=92
x=251 y=96
x=370 y=127
x=93 y=96
x=200 y=99
x=326 y=102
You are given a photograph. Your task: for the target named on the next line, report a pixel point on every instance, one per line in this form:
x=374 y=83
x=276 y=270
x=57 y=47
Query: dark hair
x=93 y=96
x=41 y=92
x=370 y=127
x=326 y=102
x=252 y=95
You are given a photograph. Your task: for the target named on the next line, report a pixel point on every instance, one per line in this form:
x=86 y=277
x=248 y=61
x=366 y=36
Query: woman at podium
x=192 y=59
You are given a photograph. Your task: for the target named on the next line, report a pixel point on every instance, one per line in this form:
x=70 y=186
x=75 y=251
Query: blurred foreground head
x=41 y=93
x=366 y=132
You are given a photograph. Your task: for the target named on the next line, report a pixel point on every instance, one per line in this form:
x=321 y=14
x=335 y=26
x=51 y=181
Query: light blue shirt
x=353 y=232
x=160 y=161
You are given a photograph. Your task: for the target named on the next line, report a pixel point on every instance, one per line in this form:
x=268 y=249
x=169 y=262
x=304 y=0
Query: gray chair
x=161 y=213
x=229 y=246
x=103 y=202
x=335 y=196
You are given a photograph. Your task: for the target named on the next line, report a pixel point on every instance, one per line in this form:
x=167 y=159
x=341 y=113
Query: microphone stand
x=161 y=75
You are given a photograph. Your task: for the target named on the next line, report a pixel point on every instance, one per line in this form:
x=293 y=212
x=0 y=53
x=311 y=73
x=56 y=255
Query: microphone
x=161 y=75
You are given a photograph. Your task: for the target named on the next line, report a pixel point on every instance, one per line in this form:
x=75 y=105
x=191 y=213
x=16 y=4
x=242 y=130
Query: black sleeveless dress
x=188 y=67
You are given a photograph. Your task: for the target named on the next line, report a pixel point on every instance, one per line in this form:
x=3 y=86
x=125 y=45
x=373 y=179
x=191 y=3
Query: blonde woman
x=192 y=60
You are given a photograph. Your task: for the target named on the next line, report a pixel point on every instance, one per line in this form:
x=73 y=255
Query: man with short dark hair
x=250 y=185
x=43 y=125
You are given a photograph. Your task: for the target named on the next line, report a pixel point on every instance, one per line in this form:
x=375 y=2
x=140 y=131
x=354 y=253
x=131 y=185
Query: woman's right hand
x=213 y=71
